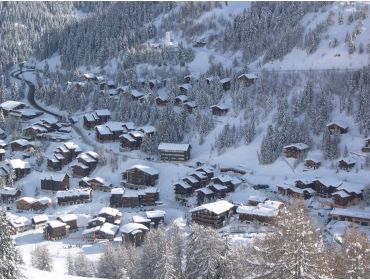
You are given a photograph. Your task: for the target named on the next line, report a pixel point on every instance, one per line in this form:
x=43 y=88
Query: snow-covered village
x=184 y=140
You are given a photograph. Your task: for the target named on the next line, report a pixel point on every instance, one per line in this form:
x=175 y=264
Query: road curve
x=31 y=92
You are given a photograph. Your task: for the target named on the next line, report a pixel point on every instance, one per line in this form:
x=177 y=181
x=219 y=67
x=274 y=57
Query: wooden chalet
x=10 y=105
x=183 y=190
x=39 y=221
x=185 y=88
x=156 y=217
x=219 y=110
x=106 y=231
x=180 y=100
x=97 y=184
x=312 y=163
x=201 y=177
x=80 y=170
x=189 y=106
x=229 y=181
x=254 y=200
x=35 y=129
x=20 y=145
x=54 y=162
x=73 y=196
x=354 y=216
x=95 y=222
x=41 y=204
x=55 y=230
x=344 y=199
x=133 y=233
x=174 y=151
x=161 y=101
x=90 y=120
x=89 y=77
x=295 y=150
x=55 y=182
x=215 y=214
x=266 y=212
x=334 y=127
x=325 y=187
x=226 y=83
x=346 y=163
x=192 y=181
x=219 y=190
x=111 y=215
x=90 y=159
x=205 y=195
x=25 y=203
x=199 y=43
x=103 y=133
x=140 y=176
x=247 y=78
x=128 y=142
x=292 y=190
x=141 y=220
x=148 y=130
x=9 y=195
x=134 y=198
x=19 y=224
x=209 y=171
x=20 y=167
x=70 y=220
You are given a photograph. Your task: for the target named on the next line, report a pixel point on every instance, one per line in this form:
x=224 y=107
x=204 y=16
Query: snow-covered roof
x=329 y=181
x=40 y=218
x=348 y=160
x=257 y=198
x=147 y=129
x=109 y=211
x=136 y=93
x=57 y=177
x=101 y=180
x=205 y=190
x=342 y=194
x=190 y=104
x=109 y=228
x=338 y=123
x=186 y=86
x=19 y=222
x=67 y=218
x=362 y=214
x=257 y=211
x=18 y=164
x=56 y=224
x=89 y=76
x=117 y=191
x=29 y=200
x=101 y=219
x=114 y=126
x=140 y=219
x=127 y=137
x=146 y=169
x=44 y=200
x=136 y=134
x=129 y=125
x=225 y=80
x=21 y=142
x=73 y=192
x=217 y=207
x=249 y=76
x=182 y=98
x=219 y=187
x=11 y=105
x=351 y=187
x=130 y=227
x=85 y=157
x=89 y=117
x=191 y=179
x=8 y=191
x=49 y=119
x=299 y=146
x=71 y=145
x=183 y=184
x=173 y=147
x=91 y=230
x=155 y=214
x=103 y=130
x=221 y=107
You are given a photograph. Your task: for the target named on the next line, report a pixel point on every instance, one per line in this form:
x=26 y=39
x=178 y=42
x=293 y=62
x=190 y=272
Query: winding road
x=31 y=100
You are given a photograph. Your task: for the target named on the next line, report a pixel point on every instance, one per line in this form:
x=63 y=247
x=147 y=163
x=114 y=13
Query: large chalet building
x=215 y=214
x=174 y=151
x=140 y=175
x=55 y=182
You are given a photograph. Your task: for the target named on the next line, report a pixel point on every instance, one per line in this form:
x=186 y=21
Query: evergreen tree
x=41 y=258
x=10 y=260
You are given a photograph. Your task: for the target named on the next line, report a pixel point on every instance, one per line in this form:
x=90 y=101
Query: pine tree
x=110 y=264
x=41 y=258
x=10 y=260
x=293 y=250
x=83 y=267
x=204 y=250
